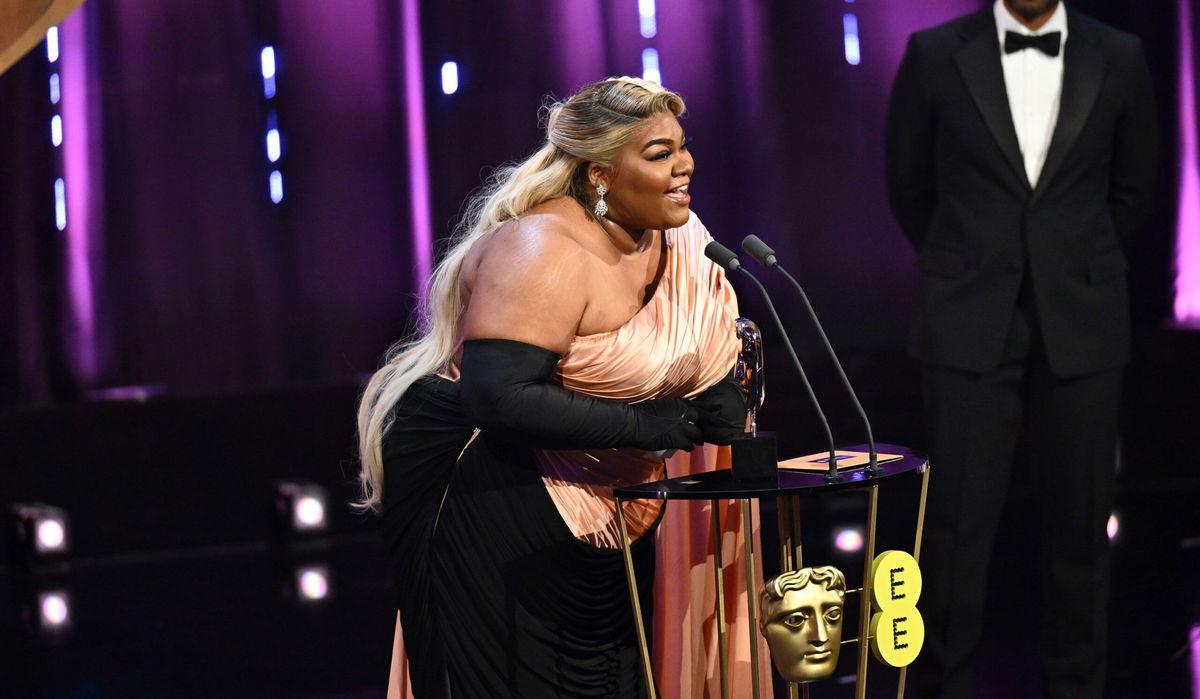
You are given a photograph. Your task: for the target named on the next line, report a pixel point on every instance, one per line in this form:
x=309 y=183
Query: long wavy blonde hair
x=588 y=127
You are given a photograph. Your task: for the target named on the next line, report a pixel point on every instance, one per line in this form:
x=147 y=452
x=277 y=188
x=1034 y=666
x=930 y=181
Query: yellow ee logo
x=897 y=629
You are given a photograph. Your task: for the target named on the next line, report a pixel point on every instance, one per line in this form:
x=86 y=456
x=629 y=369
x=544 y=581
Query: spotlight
x=54 y=610
x=312 y=583
x=1114 y=526
x=310 y=513
x=848 y=539
x=46 y=611
x=38 y=530
x=301 y=507
x=51 y=536
x=307 y=581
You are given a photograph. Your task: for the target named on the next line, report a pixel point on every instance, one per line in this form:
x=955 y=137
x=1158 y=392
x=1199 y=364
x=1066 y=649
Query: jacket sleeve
x=1135 y=154
x=909 y=147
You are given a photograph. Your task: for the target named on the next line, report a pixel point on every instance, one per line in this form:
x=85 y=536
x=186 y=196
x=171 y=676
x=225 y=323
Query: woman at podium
x=573 y=336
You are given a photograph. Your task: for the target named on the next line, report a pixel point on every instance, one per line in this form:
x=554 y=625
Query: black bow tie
x=1049 y=44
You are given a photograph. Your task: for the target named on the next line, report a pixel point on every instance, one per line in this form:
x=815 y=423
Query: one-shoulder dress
x=506 y=559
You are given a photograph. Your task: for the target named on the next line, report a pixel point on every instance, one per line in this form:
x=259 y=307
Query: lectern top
x=720 y=485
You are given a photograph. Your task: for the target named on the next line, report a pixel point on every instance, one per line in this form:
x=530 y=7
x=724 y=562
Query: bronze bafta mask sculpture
x=749 y=369
x=800 y=614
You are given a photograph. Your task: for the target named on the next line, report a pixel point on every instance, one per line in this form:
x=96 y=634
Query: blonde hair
x=588 y=127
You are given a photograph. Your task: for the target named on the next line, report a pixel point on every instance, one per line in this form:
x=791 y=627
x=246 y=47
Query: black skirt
x=497 y=597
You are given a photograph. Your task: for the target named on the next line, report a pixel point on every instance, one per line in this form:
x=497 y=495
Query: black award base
x=755 y=458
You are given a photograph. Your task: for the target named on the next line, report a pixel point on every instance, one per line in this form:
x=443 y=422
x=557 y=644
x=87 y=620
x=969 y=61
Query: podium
x=789 y=488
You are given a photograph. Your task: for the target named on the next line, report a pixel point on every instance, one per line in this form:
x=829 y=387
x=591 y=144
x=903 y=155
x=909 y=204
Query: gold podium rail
x=787 y=489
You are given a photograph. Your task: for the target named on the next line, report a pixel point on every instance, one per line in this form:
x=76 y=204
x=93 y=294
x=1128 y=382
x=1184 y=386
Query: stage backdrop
x=172 y=266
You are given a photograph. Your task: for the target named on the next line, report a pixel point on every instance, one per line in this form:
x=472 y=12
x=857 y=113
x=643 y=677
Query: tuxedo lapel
x=979 y=63
x=1083 y=73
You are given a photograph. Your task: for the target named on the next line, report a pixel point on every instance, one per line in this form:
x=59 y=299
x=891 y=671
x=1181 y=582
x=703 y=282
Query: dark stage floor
x=207 y=623
x=229 y=622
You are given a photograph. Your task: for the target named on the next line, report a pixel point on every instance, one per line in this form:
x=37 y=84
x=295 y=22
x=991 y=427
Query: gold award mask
x=800 y=615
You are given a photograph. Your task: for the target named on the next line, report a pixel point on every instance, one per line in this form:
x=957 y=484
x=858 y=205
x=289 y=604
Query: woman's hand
x=722 y=411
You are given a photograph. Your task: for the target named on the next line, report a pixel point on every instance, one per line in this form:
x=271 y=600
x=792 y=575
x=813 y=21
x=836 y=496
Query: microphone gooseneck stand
x=727 y=259
x=763 y=253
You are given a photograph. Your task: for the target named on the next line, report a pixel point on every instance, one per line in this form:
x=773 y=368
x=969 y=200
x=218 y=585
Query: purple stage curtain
x=33 y=359
x=209 y=284
x=198 y=283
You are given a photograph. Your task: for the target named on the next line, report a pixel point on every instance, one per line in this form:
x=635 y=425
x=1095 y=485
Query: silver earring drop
x=601 y=206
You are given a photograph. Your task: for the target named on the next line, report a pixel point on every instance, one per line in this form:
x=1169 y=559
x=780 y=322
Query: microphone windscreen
x=759 y=250
x=722 y=255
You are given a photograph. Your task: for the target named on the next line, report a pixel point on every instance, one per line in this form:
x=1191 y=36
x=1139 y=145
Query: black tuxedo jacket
x=957 y=186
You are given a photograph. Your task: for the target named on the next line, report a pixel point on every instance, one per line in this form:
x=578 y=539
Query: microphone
x=728 y=259
x=763 y=253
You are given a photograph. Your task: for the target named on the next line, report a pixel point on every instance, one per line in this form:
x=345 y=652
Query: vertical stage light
x=52 y=44
x=648 y=26
x=650 y=69
x=850 y=39
x=274 y=145
x=56 y=127
x=449 y=78
x=267 y=62
x=1194 y=641
x=1187 y=226
x=418 y=156
x=647 y=18
x=70 y=92
x=60 y=204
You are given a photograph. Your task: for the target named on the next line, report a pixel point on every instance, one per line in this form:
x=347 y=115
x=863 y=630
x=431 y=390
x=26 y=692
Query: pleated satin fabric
x=497 y=597
x=680 y=343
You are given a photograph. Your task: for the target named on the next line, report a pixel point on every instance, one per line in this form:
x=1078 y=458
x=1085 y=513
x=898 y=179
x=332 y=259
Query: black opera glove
x=722 y=411
x=508 y=385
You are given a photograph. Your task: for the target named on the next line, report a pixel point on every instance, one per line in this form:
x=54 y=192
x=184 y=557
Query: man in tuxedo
x=1021 y=152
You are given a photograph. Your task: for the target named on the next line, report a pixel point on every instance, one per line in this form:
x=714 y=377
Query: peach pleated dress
x=680 y=343
x=677 y=345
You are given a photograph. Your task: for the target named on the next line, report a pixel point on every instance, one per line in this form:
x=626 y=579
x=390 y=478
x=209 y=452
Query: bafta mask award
x=800 y=615
x=755 y=456
x=749 y=369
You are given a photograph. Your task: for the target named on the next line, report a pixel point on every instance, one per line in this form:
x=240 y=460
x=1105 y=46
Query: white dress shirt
x=1034 y=84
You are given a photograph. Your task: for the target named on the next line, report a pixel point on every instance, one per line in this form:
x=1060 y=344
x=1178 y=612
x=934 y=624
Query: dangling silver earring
x=601 y=206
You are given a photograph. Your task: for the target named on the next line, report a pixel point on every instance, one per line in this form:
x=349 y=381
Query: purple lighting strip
x=418 y=157
x=1187 y=248
x=648 y=14
x=1194 y=639
x=74 y=95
